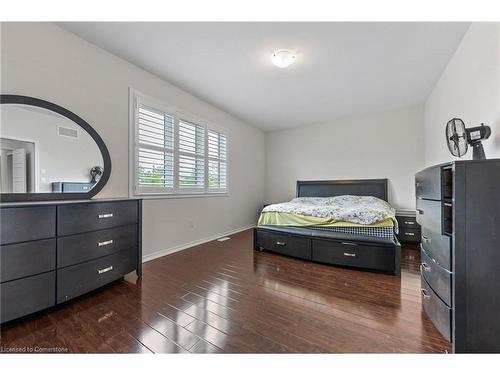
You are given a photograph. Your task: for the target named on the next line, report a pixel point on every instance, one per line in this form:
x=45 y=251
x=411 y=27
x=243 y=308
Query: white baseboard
x=161 y=253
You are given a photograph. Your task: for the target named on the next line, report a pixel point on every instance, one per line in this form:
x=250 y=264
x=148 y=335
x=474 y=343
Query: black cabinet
x=51 y=252
x=459 y=212
x=409 y=229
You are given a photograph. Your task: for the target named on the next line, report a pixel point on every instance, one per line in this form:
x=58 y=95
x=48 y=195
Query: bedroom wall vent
x=67 y=132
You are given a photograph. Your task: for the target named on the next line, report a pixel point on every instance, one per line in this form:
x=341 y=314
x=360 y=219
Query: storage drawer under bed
x=284 y=243
x=352 y=254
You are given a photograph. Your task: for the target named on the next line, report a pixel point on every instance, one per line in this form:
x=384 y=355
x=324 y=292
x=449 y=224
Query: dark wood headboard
x=331 y=188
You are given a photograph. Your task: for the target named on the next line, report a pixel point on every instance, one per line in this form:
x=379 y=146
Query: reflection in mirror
x=42 y=151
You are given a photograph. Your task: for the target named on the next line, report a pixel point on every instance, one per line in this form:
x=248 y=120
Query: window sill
x=179 y=196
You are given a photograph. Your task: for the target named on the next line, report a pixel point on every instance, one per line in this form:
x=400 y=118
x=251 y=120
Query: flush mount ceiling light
x=283 y=58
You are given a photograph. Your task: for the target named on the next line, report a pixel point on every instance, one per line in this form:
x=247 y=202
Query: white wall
x=383 y=145
x=45 y=61
x=469 y=88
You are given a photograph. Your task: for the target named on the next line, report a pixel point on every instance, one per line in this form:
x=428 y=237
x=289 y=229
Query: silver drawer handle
x=409 y=222
x=409 y=234
x=421 y=212
x=425 y=294
x=448 y=204
x=425 y=267
x=279 y=243
x=425 y=239
x=419 y=184
x=353 y=255
x=104 y=243
x=104 y=270
x=105 y=216
x=349 y=244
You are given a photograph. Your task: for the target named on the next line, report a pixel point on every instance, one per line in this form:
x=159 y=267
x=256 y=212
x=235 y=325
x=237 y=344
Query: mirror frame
x=23 y=197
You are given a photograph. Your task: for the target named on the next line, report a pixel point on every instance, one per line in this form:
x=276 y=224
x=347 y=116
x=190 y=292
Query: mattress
x=380 y=232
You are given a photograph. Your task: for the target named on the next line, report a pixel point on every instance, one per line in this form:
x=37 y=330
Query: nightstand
x=409 y=229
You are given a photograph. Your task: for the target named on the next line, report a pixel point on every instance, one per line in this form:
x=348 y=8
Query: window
x=191 y=155
x=155 y=154
x=174 y=153
x=217 y=165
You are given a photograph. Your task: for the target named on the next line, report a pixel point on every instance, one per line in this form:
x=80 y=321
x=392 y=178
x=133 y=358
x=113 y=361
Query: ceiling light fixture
x=283 y=58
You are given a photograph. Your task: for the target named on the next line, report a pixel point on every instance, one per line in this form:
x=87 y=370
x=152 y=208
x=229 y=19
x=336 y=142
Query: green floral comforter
x=351 y=208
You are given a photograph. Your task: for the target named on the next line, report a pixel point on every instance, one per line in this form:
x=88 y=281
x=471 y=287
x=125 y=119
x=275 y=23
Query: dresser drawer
x=407 y=222
x=79 y=218
x=428 y=183
x=437 y=246
x=285 y=244
x=437 y=311
x=74 y=281
x=26 y=259
x=25 y=296
x=79 y=248
x=353 y=255
x=27 y=224
x=409 y=235
x=438 y=278
x=429 y=215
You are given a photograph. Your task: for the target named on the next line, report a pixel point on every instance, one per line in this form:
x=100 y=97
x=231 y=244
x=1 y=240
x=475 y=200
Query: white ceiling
x=342 y=69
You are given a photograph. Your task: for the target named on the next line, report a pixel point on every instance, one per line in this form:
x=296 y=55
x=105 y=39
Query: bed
x=371 y=246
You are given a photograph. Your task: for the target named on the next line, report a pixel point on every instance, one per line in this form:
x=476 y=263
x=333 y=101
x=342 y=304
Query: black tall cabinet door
x=482 y=243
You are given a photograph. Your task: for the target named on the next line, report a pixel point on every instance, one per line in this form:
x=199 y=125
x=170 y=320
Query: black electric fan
x=458 y=138
x=94 y=173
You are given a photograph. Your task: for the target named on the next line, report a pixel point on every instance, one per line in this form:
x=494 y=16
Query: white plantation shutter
x=155 y=154
x=176 y=155
x=217 y=160
x=191 y=168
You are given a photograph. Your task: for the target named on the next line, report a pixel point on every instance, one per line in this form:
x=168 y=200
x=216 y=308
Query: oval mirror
x=48 y=152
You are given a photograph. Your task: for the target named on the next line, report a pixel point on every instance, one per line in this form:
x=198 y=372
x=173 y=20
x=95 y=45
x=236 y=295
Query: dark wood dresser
x=51 y=252
x=458 y=208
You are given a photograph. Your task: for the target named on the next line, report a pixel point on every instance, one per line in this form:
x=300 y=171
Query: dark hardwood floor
x=225 y=297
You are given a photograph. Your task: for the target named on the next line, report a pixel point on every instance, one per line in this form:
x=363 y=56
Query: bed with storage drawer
x=350 y=247
x=51 y=252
